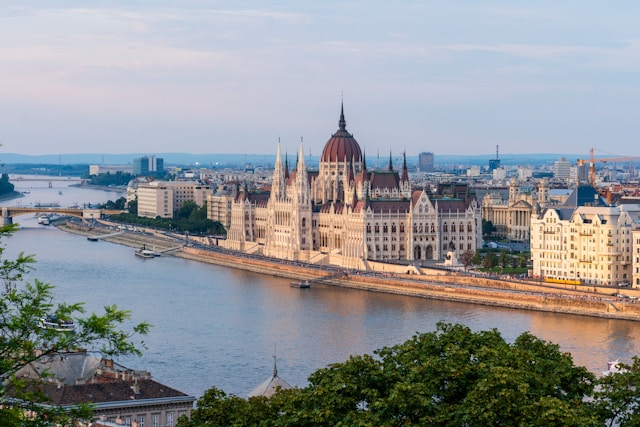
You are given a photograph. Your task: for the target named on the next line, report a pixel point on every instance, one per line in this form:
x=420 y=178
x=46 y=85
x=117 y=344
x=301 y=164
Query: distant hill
x=257 y=160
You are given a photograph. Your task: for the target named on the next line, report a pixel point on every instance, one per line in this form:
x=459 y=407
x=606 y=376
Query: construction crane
x=592 y=163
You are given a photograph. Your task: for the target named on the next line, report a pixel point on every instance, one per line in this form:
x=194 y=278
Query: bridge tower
x=6 y=218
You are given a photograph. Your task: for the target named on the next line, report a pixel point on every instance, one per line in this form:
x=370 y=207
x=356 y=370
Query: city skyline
x=452 y=78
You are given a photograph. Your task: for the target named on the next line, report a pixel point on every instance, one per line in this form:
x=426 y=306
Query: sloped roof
x=384 y=179
x=583 y=195
x=107 y=392
x=387 y=205
x=271 y=385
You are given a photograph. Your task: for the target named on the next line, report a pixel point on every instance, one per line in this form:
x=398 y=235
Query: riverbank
x=433 y=284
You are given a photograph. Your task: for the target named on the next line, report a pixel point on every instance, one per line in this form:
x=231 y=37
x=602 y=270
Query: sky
x=195 y=76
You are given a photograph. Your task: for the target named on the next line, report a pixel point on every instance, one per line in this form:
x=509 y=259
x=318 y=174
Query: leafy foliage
x=119 y=178
x=189 y=218
x=450 y=377
x=5 y=186
x=23 y=339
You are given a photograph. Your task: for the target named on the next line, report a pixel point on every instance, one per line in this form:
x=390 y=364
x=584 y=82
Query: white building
x=591 y=243
x=163 y=198
x=344 y=214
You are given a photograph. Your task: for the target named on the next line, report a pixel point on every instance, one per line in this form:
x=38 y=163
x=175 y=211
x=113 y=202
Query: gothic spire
x=286 y=166
x=342 y=124
x=405 y=171
x=390 y=162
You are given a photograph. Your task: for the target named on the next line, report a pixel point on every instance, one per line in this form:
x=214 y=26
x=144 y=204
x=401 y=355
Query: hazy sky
x=452 y=77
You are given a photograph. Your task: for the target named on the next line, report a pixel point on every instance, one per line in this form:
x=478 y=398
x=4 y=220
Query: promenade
x=433 y=284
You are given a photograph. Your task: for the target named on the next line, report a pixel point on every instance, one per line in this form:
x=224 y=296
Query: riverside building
x=345 y=214
x=163 y=198
x=585 y=241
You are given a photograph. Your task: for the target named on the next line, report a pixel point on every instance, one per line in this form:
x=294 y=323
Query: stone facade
x=589 y=244
x=512 y=217
x=342 y=213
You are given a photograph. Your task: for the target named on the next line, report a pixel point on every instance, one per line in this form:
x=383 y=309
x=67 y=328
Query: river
x=218 y=326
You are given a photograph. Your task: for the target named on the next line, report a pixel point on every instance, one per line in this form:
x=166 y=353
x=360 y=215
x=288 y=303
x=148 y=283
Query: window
x=155 y=420
x=169 y=419
x=140 y=420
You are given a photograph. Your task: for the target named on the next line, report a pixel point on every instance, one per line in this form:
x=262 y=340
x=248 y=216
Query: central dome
x=342 y=146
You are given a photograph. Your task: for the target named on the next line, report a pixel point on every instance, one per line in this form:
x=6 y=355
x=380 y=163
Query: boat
x=92 y=238
x=44 y=220
x=143 y=252
x=52 y=323
x=301 y=285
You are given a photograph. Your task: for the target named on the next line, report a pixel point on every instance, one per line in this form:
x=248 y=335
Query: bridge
x=8 y=213
x=35 y=178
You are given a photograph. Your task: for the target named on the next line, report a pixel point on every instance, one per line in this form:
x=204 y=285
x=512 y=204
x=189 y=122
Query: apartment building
x=163 y=198
x=593 y=244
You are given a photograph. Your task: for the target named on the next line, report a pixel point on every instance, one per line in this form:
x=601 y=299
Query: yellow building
x=589 y=243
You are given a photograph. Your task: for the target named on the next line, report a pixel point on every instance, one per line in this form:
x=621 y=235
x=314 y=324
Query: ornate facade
x=512 y=218
x=586 y=242
x=342 y=213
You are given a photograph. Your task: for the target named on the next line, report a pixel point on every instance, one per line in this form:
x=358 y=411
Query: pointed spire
x=405 y=171
x=275 y=365
x=342 y=124
x=390 y=161
x=286 y=166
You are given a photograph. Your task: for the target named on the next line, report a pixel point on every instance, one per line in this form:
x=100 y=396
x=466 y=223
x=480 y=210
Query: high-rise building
x=425 y=162
x=148 y=165
x=561 y=169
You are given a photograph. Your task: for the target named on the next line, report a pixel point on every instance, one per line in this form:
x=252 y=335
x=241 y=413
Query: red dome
x=342 y=146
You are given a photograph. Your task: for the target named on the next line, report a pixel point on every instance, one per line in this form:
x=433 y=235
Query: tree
x=5 y=186
x=467 y=258
x=23 y=339
x=450 y=377
x=617 y=399
x=487 y=228
x=503 y=259
x=489 y=260
x=477 y=258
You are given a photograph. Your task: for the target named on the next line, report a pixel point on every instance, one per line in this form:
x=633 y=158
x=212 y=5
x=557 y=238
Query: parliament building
x=344 y=214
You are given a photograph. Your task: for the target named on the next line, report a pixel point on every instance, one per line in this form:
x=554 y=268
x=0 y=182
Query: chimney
x=135 y=387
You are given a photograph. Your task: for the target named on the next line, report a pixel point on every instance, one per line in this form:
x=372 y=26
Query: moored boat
x=301 y=285
x=51 y=322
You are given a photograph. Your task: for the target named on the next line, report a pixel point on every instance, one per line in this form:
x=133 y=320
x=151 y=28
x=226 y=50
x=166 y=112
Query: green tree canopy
x=23 y=339
x=450 y=377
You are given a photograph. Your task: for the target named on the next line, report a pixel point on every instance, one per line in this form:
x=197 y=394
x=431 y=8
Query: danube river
x=218 y=326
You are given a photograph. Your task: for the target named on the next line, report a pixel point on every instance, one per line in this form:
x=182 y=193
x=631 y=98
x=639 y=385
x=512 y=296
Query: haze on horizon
x=455 y=77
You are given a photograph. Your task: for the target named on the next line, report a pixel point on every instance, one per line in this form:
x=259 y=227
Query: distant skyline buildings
x=425 y=162
x=148 y=165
